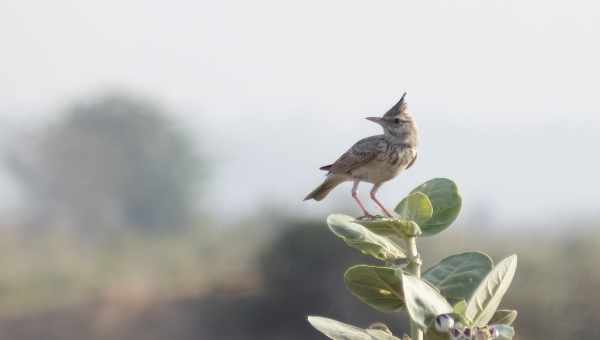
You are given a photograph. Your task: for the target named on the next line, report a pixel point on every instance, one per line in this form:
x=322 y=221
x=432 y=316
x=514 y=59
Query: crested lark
x=375 y=159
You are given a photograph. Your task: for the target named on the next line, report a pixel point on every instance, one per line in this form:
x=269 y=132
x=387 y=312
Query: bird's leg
x=355 y=196
x=374 y=198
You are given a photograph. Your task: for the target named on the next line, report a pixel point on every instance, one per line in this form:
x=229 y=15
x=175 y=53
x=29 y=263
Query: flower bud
x=468 y=333
x=494 y=332
x=455 y=334
x=443 y=323
x=480 y=334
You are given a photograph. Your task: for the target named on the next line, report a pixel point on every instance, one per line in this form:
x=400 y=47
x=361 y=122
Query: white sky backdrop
x=505 y=92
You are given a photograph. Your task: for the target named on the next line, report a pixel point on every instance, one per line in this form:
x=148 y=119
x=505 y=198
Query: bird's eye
x=397 y=121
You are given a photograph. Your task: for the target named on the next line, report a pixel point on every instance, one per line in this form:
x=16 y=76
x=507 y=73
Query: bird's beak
x=377 y=120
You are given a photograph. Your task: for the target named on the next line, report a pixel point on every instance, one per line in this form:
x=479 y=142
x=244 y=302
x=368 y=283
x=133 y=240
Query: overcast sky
x=505 y=92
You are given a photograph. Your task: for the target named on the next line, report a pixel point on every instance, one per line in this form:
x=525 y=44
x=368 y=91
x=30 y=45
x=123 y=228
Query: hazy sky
x=505 y=92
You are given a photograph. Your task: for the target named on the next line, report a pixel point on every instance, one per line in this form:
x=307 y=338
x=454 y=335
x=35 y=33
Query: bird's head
x=397 y=122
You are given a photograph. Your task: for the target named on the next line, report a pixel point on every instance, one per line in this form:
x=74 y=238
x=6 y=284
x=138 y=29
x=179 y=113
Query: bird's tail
x=322 y=190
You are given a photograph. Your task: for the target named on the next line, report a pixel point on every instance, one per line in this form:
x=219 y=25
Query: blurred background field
x=153 y=158
x=192 y=286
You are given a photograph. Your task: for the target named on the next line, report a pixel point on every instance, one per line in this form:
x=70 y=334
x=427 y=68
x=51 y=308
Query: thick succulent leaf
x=445 y=200
x=380 y=326
x=457 y=276
x=459 y=310
x=391 y=227
x=504 y=317
x=377 y=334
x=415 y=207
x=340 y=331
x=505 y=332
x=460 y=307
x=361 y=238
x=422 y=301
x=379 y=287
x=485 y=300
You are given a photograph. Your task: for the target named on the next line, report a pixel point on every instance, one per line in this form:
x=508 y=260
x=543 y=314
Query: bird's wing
x=361 y=153
x=412 y=161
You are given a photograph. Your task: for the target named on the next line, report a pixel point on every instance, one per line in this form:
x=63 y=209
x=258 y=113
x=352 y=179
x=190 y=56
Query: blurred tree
x=115 y=160
x=300 y=272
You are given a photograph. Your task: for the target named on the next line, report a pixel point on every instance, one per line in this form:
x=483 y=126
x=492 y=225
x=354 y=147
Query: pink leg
x=355 y=196
x=374 y=198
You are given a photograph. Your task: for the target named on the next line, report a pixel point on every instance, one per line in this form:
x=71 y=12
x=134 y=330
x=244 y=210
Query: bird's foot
x=367 y=217
x=387 y=213
x=383 y=209
x=371 y=217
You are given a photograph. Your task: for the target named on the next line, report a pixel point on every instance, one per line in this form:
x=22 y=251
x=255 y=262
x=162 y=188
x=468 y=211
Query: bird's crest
x=400 y=107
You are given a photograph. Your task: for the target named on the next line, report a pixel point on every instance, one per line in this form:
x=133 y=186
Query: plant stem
x=414 y=268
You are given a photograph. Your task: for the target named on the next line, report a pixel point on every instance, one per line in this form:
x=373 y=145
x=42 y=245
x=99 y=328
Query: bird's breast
x=400 y=155
x=388 y=164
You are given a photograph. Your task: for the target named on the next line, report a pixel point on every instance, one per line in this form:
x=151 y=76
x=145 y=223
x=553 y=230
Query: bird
x=375 y=159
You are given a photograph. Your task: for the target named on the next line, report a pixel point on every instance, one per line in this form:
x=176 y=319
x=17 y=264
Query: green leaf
x=337 y=330
x=486 y=298
x=459 y=308
x=340 y=331
x=505 y=332
x=445 y=200
x=361 y=238
x=415 y=207
x=458 y=312
x=504 y=317
x=377 y=334
x=391 y=227
x=379 y=287
x=380 y=326
x=457 y=276
x=423 y=302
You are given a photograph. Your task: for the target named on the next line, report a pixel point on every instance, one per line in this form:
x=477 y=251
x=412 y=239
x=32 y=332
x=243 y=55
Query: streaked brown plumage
x=375 y=159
